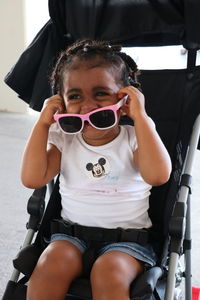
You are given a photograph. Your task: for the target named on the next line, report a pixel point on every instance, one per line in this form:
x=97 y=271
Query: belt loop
x=75 y=229
x=143 y=237
x=119 y=235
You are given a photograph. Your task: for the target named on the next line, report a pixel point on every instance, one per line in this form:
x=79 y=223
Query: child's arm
x=41 y=162
x=151 y=156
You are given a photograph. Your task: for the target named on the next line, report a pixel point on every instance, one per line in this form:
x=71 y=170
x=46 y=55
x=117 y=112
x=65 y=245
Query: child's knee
x=106 y=270
x=115 y=267
x=59 y=257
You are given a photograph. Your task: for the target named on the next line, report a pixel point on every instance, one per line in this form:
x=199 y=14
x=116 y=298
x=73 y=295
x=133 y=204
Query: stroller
x=174 y=108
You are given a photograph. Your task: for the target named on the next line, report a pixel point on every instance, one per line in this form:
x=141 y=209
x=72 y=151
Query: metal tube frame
x=27 y=241
x=184 y=197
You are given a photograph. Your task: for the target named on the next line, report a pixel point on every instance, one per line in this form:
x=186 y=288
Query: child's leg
x=112 y=274
x=58 y=266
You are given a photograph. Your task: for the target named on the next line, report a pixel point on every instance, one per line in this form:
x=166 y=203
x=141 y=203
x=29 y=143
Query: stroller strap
x=98 y=234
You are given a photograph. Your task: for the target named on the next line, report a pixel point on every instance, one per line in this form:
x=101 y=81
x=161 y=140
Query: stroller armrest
x=35 y=207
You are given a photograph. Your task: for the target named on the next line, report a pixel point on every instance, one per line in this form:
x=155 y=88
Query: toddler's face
x=86 y=89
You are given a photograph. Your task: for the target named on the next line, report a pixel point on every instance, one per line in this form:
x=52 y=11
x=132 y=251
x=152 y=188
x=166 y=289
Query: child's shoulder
x=55 y=130
x=58 y=138
x=129 y=135
x=130 y=129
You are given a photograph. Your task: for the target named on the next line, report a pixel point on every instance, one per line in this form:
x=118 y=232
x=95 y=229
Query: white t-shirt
x=99 y=185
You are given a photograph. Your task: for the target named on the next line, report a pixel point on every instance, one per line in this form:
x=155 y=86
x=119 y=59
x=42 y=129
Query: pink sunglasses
x=101 y=118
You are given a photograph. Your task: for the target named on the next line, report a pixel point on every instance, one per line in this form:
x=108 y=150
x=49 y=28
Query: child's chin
x=92 y=132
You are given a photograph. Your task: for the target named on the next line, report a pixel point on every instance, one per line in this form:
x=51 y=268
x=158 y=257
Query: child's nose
x=88 y=106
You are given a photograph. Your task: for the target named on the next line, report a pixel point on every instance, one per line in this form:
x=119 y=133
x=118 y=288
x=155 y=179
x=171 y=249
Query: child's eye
x=74 y=96
x=101 y=94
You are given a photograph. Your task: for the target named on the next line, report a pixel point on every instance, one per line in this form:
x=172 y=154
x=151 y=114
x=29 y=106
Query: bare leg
x=58 y=266
x=112 y=274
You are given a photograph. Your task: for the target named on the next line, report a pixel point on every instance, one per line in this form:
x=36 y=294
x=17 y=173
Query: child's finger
x=54 y=103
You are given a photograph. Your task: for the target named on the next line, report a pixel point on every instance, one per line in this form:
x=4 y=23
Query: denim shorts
x=145 y=253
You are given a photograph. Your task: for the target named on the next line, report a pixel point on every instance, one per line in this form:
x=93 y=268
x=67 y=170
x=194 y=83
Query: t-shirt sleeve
x=132 y=136
x=56 y=136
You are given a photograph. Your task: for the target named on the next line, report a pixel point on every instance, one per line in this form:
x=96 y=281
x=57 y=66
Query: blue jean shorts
x=145 y=253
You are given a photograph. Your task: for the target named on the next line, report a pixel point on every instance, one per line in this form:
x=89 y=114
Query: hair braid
x=132 y=67
x=58 y=72
x=99 y=51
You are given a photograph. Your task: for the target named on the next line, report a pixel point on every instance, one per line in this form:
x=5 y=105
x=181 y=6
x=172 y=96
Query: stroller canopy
x=131 y=22
x=128 y=22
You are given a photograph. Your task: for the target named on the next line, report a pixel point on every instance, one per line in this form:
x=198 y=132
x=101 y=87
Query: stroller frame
x=184 y=223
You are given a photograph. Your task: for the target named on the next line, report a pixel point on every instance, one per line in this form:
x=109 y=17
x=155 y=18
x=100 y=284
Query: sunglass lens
x=70 y=124
x=103 y=119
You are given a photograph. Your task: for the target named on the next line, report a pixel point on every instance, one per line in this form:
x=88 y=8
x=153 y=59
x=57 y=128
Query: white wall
x=12 y=44
x=20 y=20
x=36 y=15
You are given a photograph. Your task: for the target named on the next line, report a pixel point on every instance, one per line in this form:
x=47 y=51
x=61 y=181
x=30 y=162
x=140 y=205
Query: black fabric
x=10 y=290
x=29 y=78
x=131 y=22
x=15 y=291
x=128 y=22
x=52 y=211
x=151 y=277
x=172 y=102
x=27 y=258
x=142 y=288
x=98 y=234
x=191 y=16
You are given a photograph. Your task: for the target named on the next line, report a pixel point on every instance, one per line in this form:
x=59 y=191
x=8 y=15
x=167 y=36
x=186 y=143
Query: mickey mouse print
x=98 y=168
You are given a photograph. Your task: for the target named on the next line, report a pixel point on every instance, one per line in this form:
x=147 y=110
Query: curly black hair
x=100 y=52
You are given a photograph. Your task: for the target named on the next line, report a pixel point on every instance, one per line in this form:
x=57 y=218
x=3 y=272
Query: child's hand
x=134 y=105
x=50 y=107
